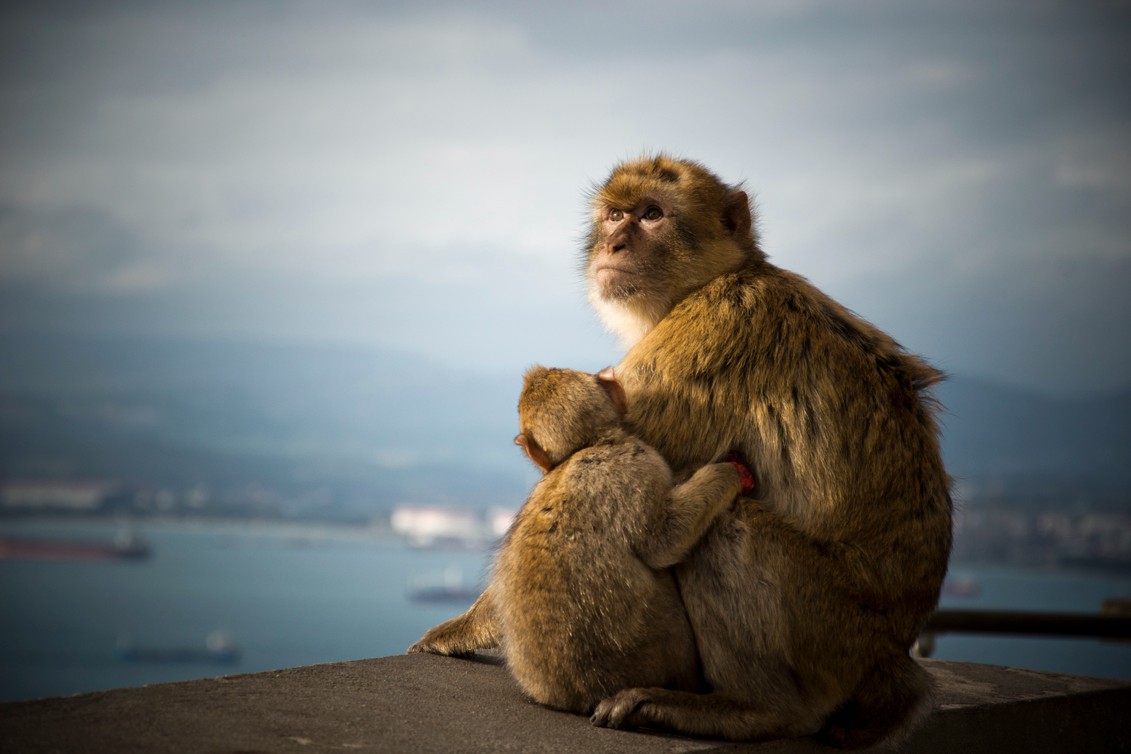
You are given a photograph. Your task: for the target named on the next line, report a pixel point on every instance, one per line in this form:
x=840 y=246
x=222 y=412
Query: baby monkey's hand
x=744 y=473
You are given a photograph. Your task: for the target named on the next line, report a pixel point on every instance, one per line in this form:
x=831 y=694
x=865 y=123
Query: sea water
x=285 y=595
x=291 y=595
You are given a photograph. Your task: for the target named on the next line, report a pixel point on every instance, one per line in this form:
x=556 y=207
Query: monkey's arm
x=478 y=628
x=690 y=508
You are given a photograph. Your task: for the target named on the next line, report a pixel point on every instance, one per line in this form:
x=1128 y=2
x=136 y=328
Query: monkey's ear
x=535 y=453
x=736 y=215
x=608 y=380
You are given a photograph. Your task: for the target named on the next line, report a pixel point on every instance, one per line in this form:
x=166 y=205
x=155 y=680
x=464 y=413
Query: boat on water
x=126 y=545
x=219 y=647
x=439 y=528
x=960 y=586
x=451 y=587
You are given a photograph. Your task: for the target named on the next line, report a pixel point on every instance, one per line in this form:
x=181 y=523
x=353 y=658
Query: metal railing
x=1114 y=623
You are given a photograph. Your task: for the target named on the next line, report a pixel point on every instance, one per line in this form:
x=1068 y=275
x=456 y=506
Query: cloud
x=329 y=171
x=74 y=249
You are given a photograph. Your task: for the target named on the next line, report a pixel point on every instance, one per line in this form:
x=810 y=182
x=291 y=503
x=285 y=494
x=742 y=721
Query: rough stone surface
x=424 y=703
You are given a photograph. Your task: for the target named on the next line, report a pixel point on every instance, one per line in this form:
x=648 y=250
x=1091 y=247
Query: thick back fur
x=806 y=600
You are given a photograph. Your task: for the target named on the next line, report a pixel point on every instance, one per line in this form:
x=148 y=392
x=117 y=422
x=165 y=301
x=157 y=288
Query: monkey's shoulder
x=602 y=485
x=616 y=467
x=760 y=319
x=766 y=293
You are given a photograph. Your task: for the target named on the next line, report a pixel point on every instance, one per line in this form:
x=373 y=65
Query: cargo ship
x=126 y=545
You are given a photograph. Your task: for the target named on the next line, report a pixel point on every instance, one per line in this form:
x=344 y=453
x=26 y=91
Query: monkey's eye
x=653 y=213
x=616 y=215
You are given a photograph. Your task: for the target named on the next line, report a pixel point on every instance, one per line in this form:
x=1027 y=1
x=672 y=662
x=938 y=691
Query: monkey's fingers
x=423 y=645
x=617 y=710
x=440 y=645
x=437 y=641
x=426 y=647
x=744 y=473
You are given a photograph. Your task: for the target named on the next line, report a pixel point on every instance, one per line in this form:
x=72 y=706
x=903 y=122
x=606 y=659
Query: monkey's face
x=628 y=259
x=661 y=228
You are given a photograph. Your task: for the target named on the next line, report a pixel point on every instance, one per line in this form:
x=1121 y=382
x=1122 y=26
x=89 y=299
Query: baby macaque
x=581 y=600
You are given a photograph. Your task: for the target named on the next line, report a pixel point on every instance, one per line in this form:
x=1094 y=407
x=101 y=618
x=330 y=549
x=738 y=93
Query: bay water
x=296 y=595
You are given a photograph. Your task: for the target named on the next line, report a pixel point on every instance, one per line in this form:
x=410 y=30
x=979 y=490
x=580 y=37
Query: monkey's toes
x=617 y=710
x=439 y=646
x=424 y=645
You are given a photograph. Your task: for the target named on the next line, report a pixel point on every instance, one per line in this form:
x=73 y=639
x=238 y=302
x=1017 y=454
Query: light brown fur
x=582 y=598
x=805 y=601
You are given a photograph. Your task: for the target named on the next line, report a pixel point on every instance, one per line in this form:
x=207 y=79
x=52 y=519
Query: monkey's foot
x=439 y=641
x=422 y=647
x=624 y=709
x=462 y=635
x=712 y=715
x=440 y=646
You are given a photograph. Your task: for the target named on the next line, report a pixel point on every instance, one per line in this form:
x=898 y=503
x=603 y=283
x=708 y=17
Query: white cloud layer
x=341 y=171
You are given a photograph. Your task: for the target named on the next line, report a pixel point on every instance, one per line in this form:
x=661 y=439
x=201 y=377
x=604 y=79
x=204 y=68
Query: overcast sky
x=414 y=174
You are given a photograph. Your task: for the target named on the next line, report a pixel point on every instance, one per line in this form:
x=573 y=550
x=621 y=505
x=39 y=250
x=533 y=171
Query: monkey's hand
x=478 y=628
x=744 y=473
x=691 y=509
x=453 y=637
x=622 y=709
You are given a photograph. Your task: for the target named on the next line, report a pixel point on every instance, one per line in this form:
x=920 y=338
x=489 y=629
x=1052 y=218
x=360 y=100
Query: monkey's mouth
x=609 y=274
x=617 y=283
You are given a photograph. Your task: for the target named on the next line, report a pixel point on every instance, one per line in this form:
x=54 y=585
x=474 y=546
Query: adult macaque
x=806 y=600
x=582 y=597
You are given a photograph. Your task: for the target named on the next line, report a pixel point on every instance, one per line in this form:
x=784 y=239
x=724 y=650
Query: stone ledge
x=424 y=703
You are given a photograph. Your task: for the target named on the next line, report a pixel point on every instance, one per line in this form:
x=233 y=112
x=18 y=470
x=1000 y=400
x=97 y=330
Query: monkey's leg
x=691 y=508
x=784 y=641
x=714 y=715
x=891 y=701
x=478 y=628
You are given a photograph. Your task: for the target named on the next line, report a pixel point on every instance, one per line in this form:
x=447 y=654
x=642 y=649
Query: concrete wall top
x=424 y=703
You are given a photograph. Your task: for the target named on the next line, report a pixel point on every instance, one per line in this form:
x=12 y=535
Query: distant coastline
x=1084 y=541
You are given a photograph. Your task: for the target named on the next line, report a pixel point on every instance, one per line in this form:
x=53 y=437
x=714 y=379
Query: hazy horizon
x=474 y=370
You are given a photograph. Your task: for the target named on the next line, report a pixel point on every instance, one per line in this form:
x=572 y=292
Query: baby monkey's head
x=563 y=410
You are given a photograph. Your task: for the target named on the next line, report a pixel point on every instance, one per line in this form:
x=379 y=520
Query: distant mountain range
x=994 y=433
x=367 y=429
